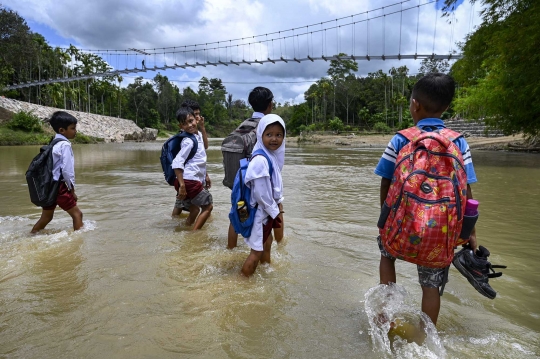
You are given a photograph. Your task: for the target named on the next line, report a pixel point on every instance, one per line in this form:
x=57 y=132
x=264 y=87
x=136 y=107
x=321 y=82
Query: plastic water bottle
x=242 y=211
x=471 y=208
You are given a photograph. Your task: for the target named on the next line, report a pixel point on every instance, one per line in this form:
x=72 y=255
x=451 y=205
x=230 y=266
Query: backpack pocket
x=421 y=233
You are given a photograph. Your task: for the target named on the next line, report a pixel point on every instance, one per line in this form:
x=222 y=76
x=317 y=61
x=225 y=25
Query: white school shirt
x=195 y=168
x=63 y=162
x=257 y=115
x=262 y=193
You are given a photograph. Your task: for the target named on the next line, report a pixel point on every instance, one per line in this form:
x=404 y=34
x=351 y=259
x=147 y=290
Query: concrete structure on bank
x=471 y=128
x=110 y=129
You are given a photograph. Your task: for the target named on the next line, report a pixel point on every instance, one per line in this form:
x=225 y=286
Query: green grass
x=9 y=137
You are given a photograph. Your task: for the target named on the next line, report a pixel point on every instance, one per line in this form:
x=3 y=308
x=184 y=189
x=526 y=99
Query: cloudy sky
x=150 y=24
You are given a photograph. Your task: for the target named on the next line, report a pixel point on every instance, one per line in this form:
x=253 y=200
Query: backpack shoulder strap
x=54 y=141
x=410 y=133
x=450 y=134
x=262 y=153
x=193 y=151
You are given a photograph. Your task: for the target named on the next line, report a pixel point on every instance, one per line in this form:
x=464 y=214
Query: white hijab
x=277 y=157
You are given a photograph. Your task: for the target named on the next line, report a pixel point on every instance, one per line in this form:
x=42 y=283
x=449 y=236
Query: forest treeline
x=498 y=79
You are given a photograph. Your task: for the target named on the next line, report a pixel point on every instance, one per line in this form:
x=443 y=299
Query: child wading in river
x=65 y=126
x=192 y=180
x=266 y=190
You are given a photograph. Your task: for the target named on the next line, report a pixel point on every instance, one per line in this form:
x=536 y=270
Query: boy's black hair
x=434 y=91
x=194 y=105
x=259 y=98
x=61 y=119
x=183 y=113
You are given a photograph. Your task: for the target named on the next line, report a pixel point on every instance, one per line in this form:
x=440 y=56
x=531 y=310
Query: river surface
x=135 y=283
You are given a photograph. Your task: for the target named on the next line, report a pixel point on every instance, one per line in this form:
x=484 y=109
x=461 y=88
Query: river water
x=135 y=283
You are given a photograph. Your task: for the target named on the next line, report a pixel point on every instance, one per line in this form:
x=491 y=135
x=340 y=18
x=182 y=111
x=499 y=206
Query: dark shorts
x=64 y=200
x=428 y=277
x=270 y=223
x=195 y=193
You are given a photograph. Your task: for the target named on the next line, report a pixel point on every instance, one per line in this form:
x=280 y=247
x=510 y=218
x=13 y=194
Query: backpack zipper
x=423 y=200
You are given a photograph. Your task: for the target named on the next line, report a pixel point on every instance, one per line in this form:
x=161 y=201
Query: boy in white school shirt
x=65 y=126
x=192 y=180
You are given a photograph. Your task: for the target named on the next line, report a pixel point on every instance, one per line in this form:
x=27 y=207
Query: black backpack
x=43 y=189
x=239 y=144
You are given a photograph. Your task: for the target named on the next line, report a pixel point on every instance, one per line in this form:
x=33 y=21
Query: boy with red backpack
x=426 y=174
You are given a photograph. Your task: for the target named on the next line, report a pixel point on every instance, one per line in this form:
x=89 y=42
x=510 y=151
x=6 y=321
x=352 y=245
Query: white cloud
x=123 y=24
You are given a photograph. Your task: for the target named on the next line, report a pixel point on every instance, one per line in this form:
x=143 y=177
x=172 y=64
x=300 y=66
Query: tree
x=338 y=71
x=499 y=69
x=16 y=48
x=433 y=65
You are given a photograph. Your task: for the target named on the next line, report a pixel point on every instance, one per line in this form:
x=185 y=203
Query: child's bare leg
x=46 y=216
x=431 y=303
x=232 y=237
x=205 y=213
x=267 y=247
x=278 y=232
x=387 y=270
x=77 y=217
x=251 y=262
x=176 y=212
x=193 y=213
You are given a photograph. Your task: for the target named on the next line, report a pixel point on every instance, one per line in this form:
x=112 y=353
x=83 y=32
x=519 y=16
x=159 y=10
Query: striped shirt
x=385 y=167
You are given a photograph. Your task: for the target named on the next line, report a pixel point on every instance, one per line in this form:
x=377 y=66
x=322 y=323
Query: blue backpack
x=241 y=192
x=170 y=149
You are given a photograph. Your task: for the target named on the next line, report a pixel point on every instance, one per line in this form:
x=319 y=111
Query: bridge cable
x=400 y=26
x=417 y=25
x=435 y=30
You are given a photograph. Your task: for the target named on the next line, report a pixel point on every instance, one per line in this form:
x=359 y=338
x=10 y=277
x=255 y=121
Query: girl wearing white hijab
x=266 y=189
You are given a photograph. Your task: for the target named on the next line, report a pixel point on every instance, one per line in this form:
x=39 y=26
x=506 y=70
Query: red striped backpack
x=422 y=215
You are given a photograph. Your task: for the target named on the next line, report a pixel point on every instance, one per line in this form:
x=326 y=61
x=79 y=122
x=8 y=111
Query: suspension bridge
x=364 y=36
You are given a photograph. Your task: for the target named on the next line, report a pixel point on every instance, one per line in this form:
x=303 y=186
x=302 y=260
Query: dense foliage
x=498 y=80
x=500 y=70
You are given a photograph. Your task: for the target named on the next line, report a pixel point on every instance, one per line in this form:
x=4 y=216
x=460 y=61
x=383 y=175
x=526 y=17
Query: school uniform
x=266 y=189
x=64 y=169
x=194 y=171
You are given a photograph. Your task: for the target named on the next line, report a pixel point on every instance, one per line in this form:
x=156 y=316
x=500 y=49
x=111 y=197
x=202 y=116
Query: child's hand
x=472 y=240
x=200 y=123
x=181 y=192
x=74 y=195
x=277 y=222
x=208 y=182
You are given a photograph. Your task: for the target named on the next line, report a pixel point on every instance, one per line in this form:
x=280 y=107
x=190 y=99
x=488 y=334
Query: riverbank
x=381 y=141
x=103 y=128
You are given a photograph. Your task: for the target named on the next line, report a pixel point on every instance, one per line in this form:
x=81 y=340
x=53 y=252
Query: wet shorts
x=195 y=194
x=64 y=200
x=270 y=223
x=428 y=277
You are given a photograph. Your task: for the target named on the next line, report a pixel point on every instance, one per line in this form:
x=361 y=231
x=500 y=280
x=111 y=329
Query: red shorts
x=65 y=199
x=193 y=188
x=271 y=223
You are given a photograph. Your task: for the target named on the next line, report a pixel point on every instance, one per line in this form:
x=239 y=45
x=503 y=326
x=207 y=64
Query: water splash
x=397 y=327
x=13 y=219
